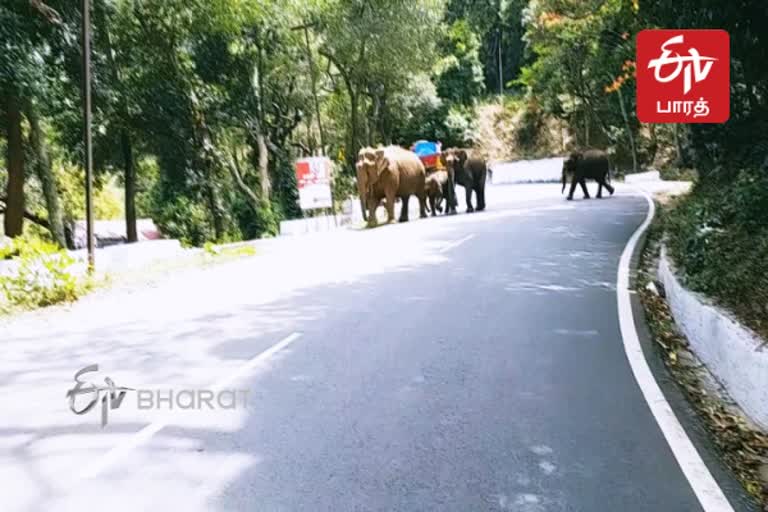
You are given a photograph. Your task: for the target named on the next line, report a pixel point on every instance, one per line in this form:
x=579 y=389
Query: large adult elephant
x=468 y=171
x=362 y=185
x=393 y=172
x=590 y=164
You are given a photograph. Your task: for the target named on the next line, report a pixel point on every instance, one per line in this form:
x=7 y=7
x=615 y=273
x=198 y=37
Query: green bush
x=530 y=127
x=719 y=237
x=39 y=274
x=185 y=220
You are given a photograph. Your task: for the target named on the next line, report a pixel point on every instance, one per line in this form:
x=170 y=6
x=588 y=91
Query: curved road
x=480 y=367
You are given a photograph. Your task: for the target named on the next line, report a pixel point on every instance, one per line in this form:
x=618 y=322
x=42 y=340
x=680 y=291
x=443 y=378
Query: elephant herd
x=392 y=173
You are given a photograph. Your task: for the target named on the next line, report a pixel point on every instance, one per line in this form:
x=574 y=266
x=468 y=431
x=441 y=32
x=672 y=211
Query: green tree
x=460 y=73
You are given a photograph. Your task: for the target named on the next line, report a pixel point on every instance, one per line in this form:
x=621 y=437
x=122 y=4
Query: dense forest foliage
x=201 y=106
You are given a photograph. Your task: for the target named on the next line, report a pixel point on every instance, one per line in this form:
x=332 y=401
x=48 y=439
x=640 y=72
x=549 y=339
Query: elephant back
x=594 y=163
x=410 y=168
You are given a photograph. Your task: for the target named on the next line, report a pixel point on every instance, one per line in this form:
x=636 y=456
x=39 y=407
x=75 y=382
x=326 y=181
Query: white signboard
x=313 y=177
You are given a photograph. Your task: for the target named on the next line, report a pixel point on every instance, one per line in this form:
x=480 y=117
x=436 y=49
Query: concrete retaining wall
x=731 y=352
x=117 y=258
x=132 y=256
x=641 y=177
x=351 y=214
x=527 y=171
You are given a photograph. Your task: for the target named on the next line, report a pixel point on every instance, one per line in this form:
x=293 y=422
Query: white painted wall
x=731 y=352
x=527 y=171
x=642 y=177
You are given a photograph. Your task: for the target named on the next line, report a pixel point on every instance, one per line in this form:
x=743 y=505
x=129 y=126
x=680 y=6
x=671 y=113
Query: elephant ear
x=382 y=162
x=462 y=154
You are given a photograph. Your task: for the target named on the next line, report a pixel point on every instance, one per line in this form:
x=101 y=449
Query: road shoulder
x=689 y=419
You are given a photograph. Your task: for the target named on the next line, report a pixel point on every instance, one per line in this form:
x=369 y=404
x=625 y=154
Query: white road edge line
x=705 y=487
x=143 y=435
x=455 y=244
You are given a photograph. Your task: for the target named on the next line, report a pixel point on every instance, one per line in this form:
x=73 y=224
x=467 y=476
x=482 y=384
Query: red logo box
x=683 y=76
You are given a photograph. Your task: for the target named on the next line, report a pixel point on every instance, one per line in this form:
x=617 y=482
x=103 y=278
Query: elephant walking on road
x=590 y=164
x=469 y=172
x=437 y=185
x=392 y=172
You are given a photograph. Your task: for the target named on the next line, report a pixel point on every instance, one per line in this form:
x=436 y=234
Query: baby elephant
x=435 y=185
x=581 y=166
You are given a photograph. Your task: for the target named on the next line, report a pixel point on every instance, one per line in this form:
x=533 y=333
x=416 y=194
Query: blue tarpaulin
x=426 y=148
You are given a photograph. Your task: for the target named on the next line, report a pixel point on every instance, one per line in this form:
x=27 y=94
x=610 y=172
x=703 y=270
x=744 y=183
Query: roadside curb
x=731 y=351
x=737 y=499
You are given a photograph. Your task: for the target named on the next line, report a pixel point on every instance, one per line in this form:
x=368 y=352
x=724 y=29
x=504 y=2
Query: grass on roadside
x=38 y=274
x=718 y=238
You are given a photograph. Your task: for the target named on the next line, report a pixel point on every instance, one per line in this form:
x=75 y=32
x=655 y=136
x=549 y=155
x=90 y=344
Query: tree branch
x=48 y=13
x=234 y=169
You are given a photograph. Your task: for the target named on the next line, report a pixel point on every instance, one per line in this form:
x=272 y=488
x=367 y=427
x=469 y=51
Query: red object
x=683 y=76
x=303 y=173
x=430 y=160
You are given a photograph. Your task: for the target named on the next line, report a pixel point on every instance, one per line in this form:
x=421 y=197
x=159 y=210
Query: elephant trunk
x=364 y=208
x=564 y=181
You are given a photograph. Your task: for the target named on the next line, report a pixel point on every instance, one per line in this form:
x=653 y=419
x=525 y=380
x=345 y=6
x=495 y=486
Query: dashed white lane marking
x=705 y=487
x=143 y=435
x=454 y=244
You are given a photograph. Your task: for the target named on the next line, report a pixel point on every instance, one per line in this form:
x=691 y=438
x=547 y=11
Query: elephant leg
x=450 y=193
x=373 y=204
x=391 y=206
x=422 y=205
x=404 y=208
x=468 y=194
x=572 y=189
x=433 y=205
x=583 y=183
x=608 y=187
x=364 y=209
x=480 y=192
x=600 y=188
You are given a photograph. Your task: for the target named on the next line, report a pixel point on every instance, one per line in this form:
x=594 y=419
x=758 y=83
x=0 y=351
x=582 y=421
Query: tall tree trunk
x=681 y=160
x=354 y=138
x=630 y=135
x=126 y=147
x=130 y=186
x=233 y=164
x=212 y=197
x=45 y=174
x=586 y=129
x=14 y=213
x=263 y=166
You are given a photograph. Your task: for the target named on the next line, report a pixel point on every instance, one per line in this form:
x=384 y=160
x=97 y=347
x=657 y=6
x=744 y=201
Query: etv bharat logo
x=683 y=76
x=701 y=66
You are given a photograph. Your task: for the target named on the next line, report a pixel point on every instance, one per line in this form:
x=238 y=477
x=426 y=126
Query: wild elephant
x=362 y=186
x=436 y=185
x=468 y=171
x=590 y=164
x=393 y=172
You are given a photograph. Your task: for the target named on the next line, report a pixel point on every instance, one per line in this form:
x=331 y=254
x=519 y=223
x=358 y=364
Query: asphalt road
x=480 y=367
x=494 y=381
